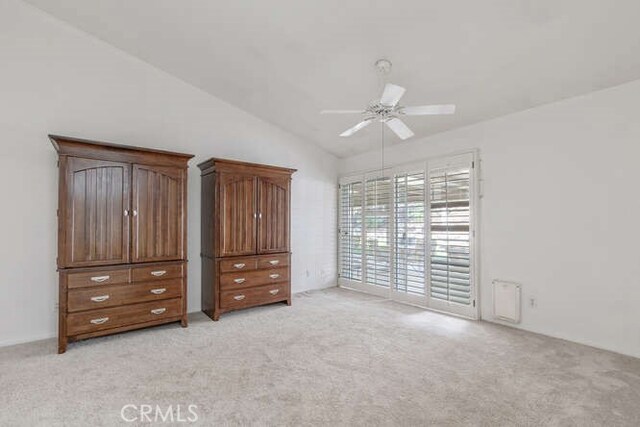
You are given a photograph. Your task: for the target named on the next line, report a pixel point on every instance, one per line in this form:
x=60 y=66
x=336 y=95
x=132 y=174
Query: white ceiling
x=285 y=60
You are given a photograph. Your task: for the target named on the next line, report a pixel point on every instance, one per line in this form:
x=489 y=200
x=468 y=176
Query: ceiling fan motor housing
x=383 y=65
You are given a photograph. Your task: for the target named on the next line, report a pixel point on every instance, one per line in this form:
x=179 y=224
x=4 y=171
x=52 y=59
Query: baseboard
x=34 y=338
x=586 y=343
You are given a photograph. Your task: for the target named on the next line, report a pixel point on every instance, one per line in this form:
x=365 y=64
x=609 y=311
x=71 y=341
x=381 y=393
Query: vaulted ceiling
x=285 y=60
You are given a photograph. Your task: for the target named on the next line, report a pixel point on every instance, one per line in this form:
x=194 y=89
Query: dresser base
x=215 y=315
x=63 y=342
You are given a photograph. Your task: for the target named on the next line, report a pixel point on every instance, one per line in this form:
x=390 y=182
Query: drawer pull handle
x=274 y=291
x=159 y=291
x=159 y=310
x=239 y=297
x=274 y=262
x=240 y=280
x=99 y=321
x=239 y=265
x=100 y=279
x=274 y=276
x=100 y=298
x=159 y=273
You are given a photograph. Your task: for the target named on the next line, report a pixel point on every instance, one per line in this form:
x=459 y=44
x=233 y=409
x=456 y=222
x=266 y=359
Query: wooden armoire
x=245 y=235
x=122 y=238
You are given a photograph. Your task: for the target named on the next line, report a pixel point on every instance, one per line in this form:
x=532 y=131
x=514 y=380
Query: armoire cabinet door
x=157 y=213
x=237 y=215
x=273 y=214
x=96 y=202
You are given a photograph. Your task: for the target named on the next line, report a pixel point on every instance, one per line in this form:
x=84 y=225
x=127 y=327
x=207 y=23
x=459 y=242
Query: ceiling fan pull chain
x=382 y=138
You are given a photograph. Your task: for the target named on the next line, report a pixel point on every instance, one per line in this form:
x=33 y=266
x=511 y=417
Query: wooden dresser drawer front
x=254 y=296
x=238 y=264
x=230 y=281
x=97 y=278
x=273 y=261
x=109 y=296
x=157 y=272
x=95 y=320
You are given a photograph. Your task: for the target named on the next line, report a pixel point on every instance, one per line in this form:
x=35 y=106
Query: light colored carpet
x=334 y=358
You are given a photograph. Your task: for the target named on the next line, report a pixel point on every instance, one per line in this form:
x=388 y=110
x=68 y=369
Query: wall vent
x=506 y=301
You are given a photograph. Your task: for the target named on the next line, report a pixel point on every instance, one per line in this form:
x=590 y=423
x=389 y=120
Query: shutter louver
x=377 y=219
x=450 y=267
x=410 y=250
x=350 y=258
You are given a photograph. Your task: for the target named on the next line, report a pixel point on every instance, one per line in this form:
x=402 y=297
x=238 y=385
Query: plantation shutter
x=449 y=206
x=377 y=229
x=350 y=231
x=409 y=231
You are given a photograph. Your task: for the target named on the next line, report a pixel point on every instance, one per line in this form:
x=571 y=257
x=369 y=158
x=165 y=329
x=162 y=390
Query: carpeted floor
x=334 y=358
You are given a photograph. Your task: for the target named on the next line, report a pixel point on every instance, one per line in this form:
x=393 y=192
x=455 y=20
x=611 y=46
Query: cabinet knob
x=158 y=310
x=274 y=291
x=274 y=262
x=240 y=280
x=239 y=297
x=239 y=265
x=100 y=298
x=159 y=273
x=99 y=321
x=100 y=279
x=158 y=291
x=274 y=276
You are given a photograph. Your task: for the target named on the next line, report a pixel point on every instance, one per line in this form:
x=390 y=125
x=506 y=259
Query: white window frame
x=457 y=159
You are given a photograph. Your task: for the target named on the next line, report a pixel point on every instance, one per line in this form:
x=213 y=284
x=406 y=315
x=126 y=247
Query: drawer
x=97 y=278
x=156 y=272
x=96 y=320
x=253 y=278
x=109 y=296
x=238 y=264
x=254 y=296
x=273 y=261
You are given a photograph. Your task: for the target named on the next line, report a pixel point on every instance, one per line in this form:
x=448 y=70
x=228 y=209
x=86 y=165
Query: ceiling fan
x=387 y=110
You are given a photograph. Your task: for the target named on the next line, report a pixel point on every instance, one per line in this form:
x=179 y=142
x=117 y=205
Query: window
x=350 y=257
x=449 y=205
x=410 y=250
x=407 y=233
x=377 y=231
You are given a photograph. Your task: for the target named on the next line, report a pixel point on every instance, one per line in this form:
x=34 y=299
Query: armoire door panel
x=96 y=229
x=273 y=214
x=237 y=221
x=157 y=213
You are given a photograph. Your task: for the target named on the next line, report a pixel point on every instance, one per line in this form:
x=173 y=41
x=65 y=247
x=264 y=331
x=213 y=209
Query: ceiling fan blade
x=341 y=112
x=399 y=128
x=357 y=127
x=391 y=94
x=426 y=110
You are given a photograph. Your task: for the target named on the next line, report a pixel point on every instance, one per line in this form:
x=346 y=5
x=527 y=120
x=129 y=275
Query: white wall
x=559 y=213
x=55 y=79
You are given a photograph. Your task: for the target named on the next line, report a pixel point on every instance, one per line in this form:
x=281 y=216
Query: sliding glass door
x=408 y=234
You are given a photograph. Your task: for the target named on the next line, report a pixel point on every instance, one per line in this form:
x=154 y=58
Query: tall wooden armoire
x=122 y=238
x=245 y=235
